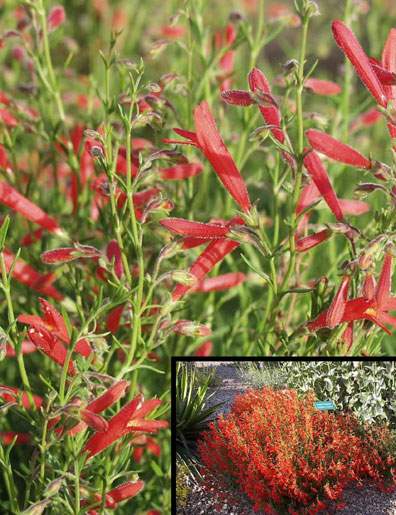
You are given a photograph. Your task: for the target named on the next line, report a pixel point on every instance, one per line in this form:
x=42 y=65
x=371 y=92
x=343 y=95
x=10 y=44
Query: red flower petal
x=27 y=275
x=237 y=97
x=50 y=345
x=312 y=240
x=322 y=86
x=221 y=282
x=111 y=396
x=353 y=207
x=205 y=349
x=337 y=307
x=270 y=114
x=38 y=401
x=382 y=293
x=181 y=171
x=13 y=199
x=351 y=47
x=319 y=175
x=194 y=229
x=214 y=149
x=126 y=491
x=330 y=147
x=56 y=17
x=213 y=253
x=6 y=437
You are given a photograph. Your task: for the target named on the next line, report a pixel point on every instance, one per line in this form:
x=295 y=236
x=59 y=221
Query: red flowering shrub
x=275 y=450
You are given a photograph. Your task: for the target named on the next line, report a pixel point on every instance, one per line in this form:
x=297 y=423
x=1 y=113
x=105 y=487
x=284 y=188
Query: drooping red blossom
x=366 y=119
x=353 y=207
x=53 y=322
x=374 y=309
x=257 y=83
x=50 y=345
x=27 y=348
x=221 y=282
x=142 y=442
x=213 y=253
x=56 y=17
x=337 y=307
x=6 y=437
x=388 y=61
x=227 y=61
x=114 y=318
x=334 y=149
x=7 y=118
x=315 y=167
x=209 y=141
x=194 y=229
x=181 y=171
x=63 y=255
x=116 y=495
x=16 y=201
x=10 y=394
x=205 y=349
x=237 y=97
x=30 y=277
x=130 y=418
x=322 y=86
x=311 y=241
x=351 y=47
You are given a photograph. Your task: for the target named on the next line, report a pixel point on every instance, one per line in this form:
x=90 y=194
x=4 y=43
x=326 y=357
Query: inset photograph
x=284 y=436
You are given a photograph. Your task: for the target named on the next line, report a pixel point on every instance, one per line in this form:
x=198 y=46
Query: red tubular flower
x=27 y=348
x=214 y=149
x=126 y=491
x=314 y=166
x=63 y=255
x=194 y=229
x=28 y=276
x=385 y=77
x=312 y=240
x=6 y=437
x=258 y=82
x=10 y=393
x=237 y=97
x=53 y=322
x=337 y=307
x=56 y=17
x=353 y=207
x=13 y=199
x=351 y=47
x=213 y=253
x=366 y=119
x=205 y=349
x=114 y=318
x=227 y=61
x=209 y=141
x=50 y=345
x=334 y=149
x=221 y=282
x=322 y=86
x=130 y=418
x=189 y=328
x=363 y=308
x=181 y=171
x=389 y=63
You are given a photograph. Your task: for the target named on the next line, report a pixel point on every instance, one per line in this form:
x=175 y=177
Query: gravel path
x=359 y=501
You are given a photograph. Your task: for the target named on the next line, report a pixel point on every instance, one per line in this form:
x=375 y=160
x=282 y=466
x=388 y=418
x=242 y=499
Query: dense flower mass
x=277 y=452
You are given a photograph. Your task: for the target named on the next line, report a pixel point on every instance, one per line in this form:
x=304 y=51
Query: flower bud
x=53 y=488
x=370 y=251
x=237 y=97
x=96 y=151
x=37 y=508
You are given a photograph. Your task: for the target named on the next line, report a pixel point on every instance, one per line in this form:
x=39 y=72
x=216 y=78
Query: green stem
x=9 y=482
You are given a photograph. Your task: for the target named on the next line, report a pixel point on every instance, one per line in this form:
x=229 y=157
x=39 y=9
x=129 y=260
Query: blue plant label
x=324 y=405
